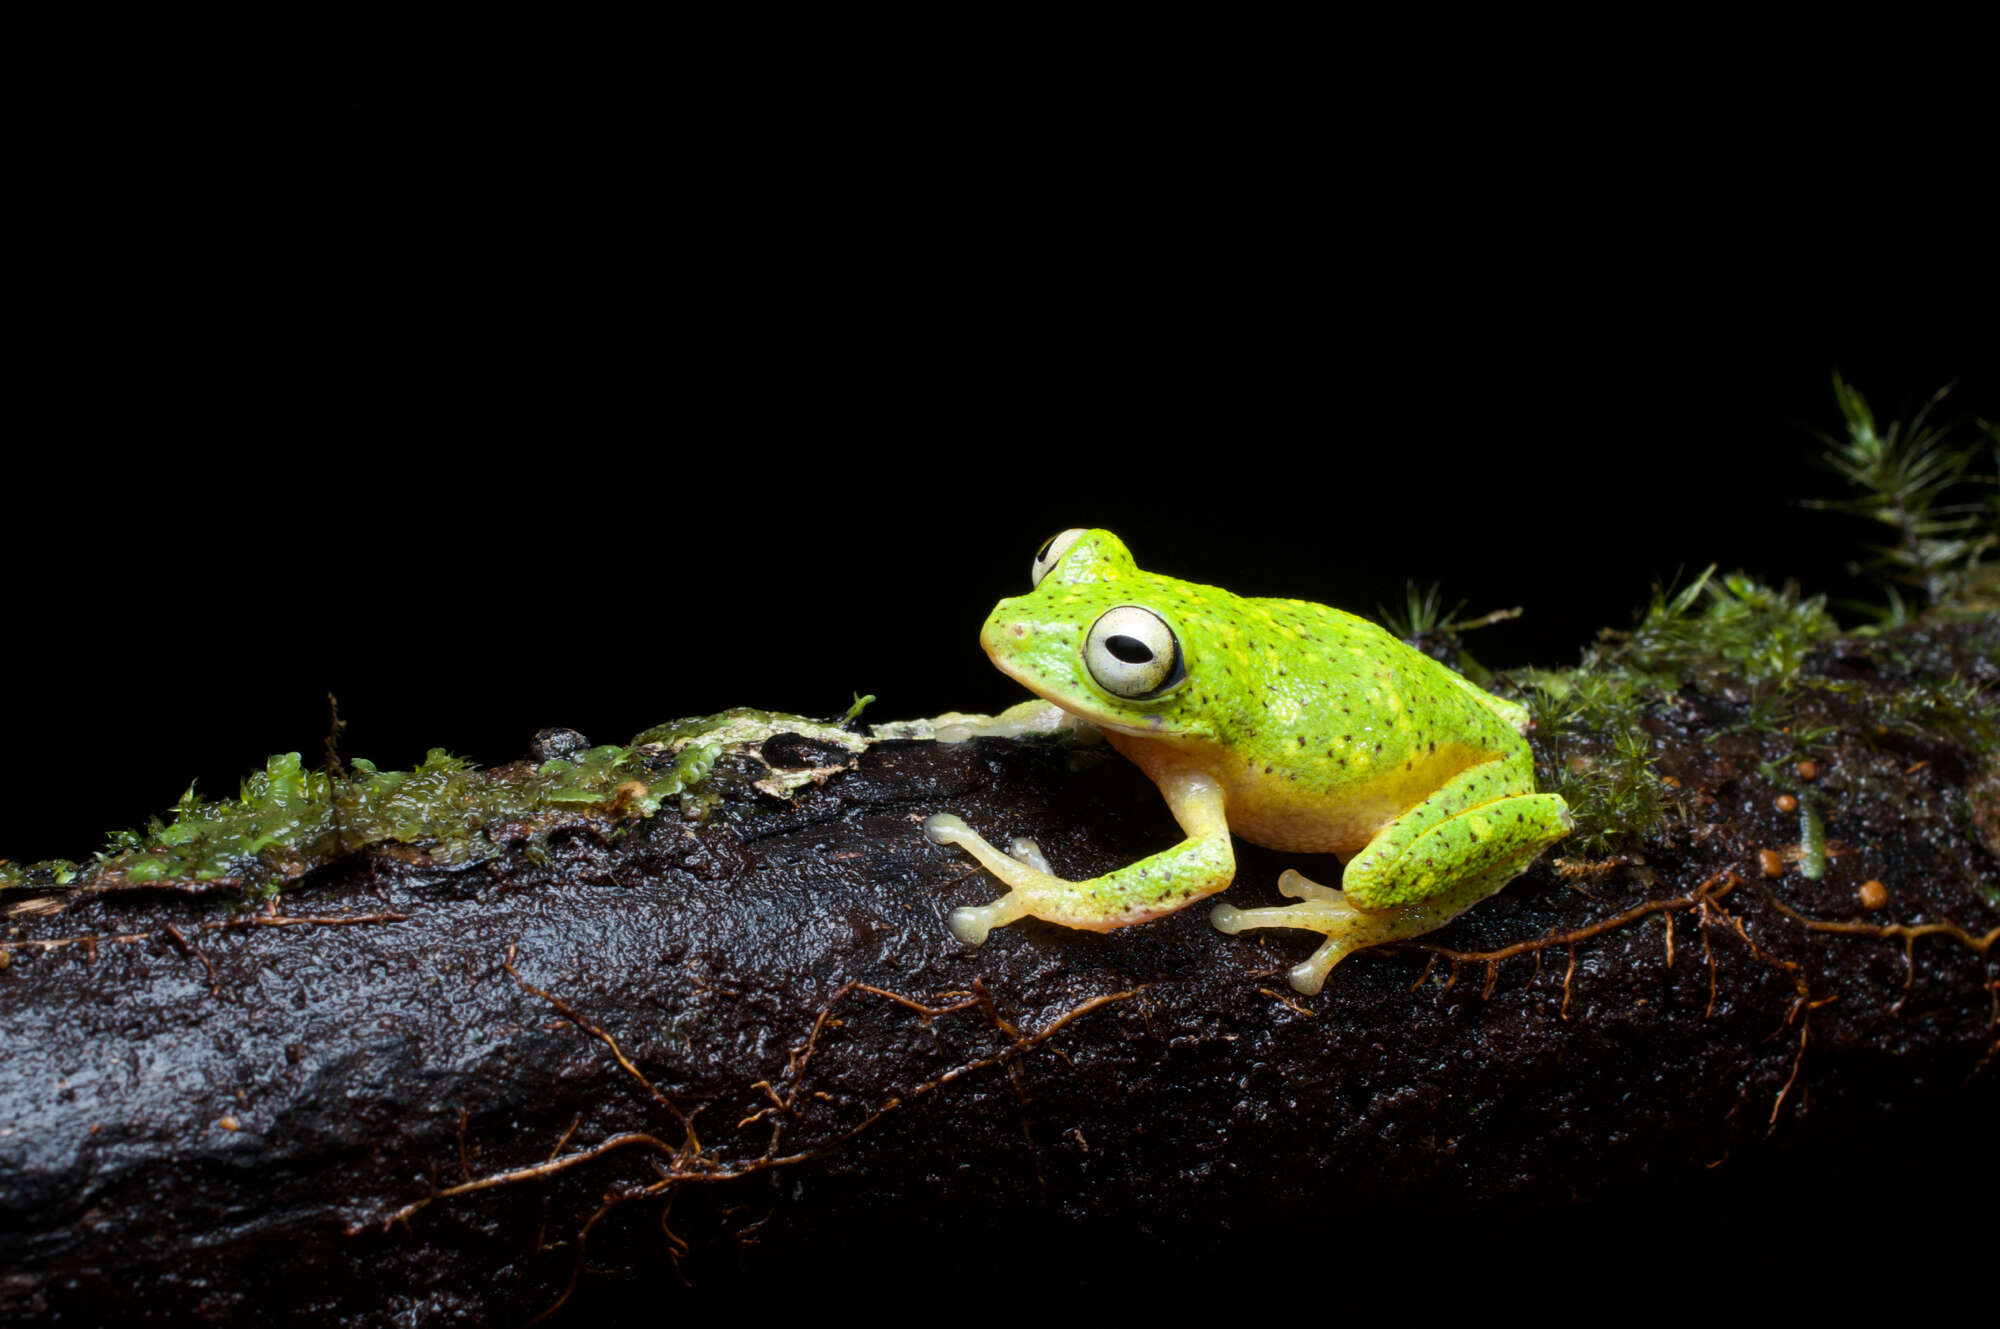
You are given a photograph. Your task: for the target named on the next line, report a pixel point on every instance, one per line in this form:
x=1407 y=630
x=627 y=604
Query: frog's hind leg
x=1421 y=870
x=1349 y=928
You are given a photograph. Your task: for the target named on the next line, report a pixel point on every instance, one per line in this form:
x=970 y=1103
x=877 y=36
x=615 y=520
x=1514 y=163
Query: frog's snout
x=1000 y=625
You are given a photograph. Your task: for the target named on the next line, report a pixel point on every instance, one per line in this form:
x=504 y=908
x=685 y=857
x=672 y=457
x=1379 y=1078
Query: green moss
x=1614 y=793
x=1919 y=484
x=1421 y=612
x=1734 y=627
x=286 y=819
x=1731 y=636
x=1952 y=708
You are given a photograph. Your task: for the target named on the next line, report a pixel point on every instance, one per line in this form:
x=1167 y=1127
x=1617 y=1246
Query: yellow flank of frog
x=1290 y=724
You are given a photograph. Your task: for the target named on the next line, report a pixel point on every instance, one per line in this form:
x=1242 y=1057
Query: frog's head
x=1097 y=636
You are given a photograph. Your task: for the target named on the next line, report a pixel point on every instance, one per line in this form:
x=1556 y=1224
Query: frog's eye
x=1132 y=653
x=1052 y=553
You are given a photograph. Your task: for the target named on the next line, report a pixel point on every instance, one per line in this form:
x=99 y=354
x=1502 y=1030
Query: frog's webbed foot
x=1320 y=909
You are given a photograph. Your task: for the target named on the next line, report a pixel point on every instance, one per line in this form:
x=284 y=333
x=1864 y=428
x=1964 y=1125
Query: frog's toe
x=946 y=828
x=1298 y=886
x=1309 y=976
x=1320 y=909
x=971 y=923
x=1318 y=914
x=1024 y=850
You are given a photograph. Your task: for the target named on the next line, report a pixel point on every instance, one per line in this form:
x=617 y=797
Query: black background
x=597 y=375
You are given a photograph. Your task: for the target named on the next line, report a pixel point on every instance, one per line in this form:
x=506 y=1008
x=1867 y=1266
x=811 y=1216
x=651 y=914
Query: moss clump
x=1747 y=645
x=1919 y=484
x=1728 y=636
x=286 y=819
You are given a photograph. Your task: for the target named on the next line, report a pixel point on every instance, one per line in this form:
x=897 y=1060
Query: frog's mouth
x=1061 y=682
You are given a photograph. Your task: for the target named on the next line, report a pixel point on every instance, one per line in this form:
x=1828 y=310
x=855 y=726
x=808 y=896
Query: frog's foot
x=1160 y=884
x=1320 y=909
x=972 y=923
x=1349 y=927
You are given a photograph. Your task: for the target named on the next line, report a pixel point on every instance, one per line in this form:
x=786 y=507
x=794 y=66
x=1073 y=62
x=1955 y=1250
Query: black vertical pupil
x=1129 y=649
x=1047 y=545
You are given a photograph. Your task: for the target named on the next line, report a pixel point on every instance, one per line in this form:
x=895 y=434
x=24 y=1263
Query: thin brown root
x=1020 y=1045
x=679 y=1165
x=1000 y=1022
x=529 y=1173
x=299 y=921
x=574 y=1122
x=1908 y=932
x=1287 y=1002
x=574 y=1017
x=928 y=1012
x=1429 y=961
x=1708 y=951
x=1702 y=894
x=1805 y=1029
x=611 y=1202
x=188 y=948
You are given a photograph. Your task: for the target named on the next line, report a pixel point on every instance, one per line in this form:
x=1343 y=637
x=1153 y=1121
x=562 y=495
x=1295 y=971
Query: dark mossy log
x=747 y=1051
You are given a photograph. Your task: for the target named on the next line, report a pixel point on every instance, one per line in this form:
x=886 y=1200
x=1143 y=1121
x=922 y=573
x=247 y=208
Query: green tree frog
x=1295 y=726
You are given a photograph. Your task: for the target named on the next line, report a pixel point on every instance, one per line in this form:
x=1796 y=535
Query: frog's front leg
x=1473 y=836
x=1201 y=865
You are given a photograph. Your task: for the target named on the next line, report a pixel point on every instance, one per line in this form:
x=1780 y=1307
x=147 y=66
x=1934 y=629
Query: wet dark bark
x=750 y=1049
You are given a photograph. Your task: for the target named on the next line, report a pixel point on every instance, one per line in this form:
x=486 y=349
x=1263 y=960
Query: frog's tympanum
x=1293 y=725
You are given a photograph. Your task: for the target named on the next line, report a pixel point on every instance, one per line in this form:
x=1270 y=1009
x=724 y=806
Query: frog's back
x=1414 y=694
x=1339 y=727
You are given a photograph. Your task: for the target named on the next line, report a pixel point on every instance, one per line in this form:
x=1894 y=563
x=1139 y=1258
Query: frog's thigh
x=1482 y=816
x=1201 y=865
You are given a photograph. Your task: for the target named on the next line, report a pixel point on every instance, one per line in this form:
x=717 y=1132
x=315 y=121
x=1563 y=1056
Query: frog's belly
x=1344 y=827
x=1287 y=809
